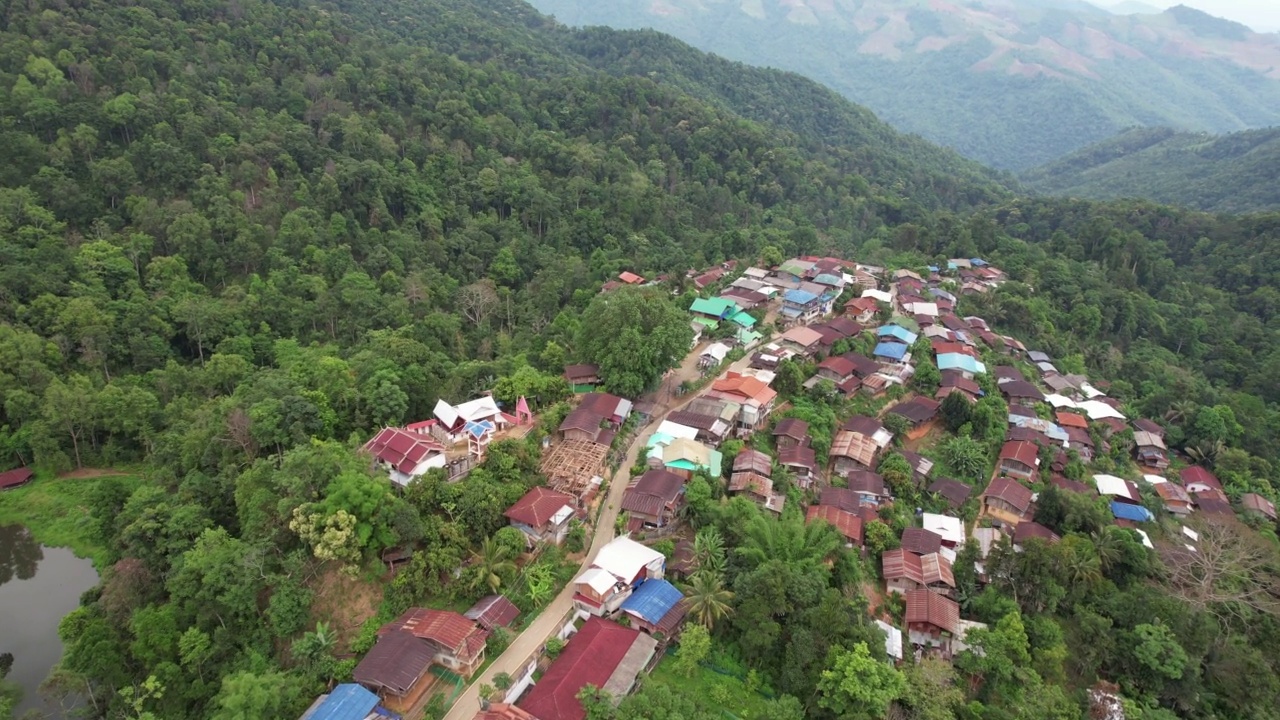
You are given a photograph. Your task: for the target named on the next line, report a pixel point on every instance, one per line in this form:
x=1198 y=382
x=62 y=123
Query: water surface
x=38 y=587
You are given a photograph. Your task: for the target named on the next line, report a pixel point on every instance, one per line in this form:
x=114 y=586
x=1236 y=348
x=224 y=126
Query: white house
x=405 y=455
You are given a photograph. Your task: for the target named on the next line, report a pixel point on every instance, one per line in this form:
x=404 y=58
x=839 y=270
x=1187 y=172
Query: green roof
x=746 y=337
x=743 y=319
x=717 y=307
x=707 y=322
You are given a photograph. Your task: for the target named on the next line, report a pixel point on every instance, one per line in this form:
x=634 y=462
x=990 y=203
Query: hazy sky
x=1262 y=15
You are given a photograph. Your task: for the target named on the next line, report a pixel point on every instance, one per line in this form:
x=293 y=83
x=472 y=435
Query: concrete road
x=546 y=624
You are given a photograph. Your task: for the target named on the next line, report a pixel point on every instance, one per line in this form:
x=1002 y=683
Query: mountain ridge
x=1012 y=84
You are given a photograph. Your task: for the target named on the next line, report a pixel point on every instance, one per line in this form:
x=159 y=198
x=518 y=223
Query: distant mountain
x=1239 y=172
x=1132 y=7
x=1014 y=83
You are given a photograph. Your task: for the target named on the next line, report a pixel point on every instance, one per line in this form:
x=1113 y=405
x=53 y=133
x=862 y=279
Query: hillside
x=1013 y=84
x=1235 y=173
x=240 y=239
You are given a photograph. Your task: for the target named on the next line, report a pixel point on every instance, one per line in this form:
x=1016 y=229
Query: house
x=1150 y=426
x=630 y=278
x=1019 y=459
x=1150 y=451
x=933 y=620
x=804 y=340
x=759 y=488
x=710 y=311
x=837 y=369
x=396 y=667
x=1175 y=498
x=582 y=375
x=1253 y=502
x=1059 y=384
x=1006 y=501
x=617 y=569
x=920 y=541
x=853 y=451
x=683 y=456
x=790 y=433
x=1007 y=373
x=1116 y=488
x=752 y=460
x=754 y=397
x=801 y=306
x=869 y=487
x=1131 y=513
x=710 y=429
x=1028 y=530
x=892 y=352
x=454 y=420
x=896 y=333
x=802 y=462
x=1212 y=503
x=543 y=515
x=863 y=366
x=1196 y=479
x=493 y=611
x=613 y=409
x=404 y=455
x=746 y=298
x=347 y=701
x=964 y=363
x=1036 y=356
x=862 y=309
x=1021 y=392
x=654 y=498
x=986 y=539
x=953 y=491
x=846 y=523
x=842 y=498
x=1082 y=442
x=920 y=412
x=15 y=478
x=708 y=278
x=713 y=355
x=892 y=641
x=656 y=607
x=953 y=381
x=902 y=571
x=950 y=529
x=1070 y=420
x=920 y=465
x=584 y=424
x=602 y=654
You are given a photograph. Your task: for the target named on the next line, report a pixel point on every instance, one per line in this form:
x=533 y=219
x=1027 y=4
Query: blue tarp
x=897 y=332
x=1135 y=513
x=652 y=600
x=347 y=702
x=891 y=350
x=799 y=297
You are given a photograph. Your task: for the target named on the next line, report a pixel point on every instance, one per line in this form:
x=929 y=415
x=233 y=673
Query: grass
x=57 y=512
x=712 y=689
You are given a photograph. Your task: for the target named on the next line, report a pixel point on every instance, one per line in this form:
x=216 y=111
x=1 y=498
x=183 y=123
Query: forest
x=237 y=238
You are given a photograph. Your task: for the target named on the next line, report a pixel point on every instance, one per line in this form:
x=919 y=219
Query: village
x=870 y=339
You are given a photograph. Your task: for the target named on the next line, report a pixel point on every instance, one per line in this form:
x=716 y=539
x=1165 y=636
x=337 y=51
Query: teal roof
x=743 y=319
x=960 y=361
x=716 y=307
x=707 y=322
x=746 y=337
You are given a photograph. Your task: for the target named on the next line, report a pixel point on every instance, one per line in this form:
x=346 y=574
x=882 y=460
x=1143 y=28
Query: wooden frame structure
x=572 y=463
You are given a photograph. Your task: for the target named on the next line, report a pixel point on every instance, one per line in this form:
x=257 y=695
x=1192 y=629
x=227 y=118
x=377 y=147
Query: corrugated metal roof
x=348 y=701
x=395 y=662
x=652 y=600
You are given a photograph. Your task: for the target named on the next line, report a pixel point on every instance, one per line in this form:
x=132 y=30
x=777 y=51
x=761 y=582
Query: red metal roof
x=920 y=541
x=493 y=611
x=448 y=629
x=1028 y=530
x=401 y=449
x=845 y=523
x=794 y=428
x=395 y=662
x=899 y=563
x=1009 y=491
x=589 y=658
x=538 y=506
x=1198 y=475
x=1021 y=451
x=840 y=366
x=924 y=606
x=14 y=478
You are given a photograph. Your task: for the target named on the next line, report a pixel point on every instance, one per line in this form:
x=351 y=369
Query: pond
x=38 y=587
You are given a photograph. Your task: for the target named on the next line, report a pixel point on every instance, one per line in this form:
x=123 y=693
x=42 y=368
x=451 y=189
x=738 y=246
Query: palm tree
x=492 y=562
x=708 y=550
x=1206 y=452
x=708 y=599
x=1180 y=411
x=1110 y=545
x=789 y=540
x=1082 y=567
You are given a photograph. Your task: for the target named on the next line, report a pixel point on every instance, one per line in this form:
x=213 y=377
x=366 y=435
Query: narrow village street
x=528 y=642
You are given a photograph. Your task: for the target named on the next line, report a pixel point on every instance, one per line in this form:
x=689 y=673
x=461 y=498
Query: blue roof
x=960 y=361
x=933 y=268
x=891 y=350
x=1136 y=513
x=897 y=332
x=346 y=702
x=653 y=600
x=478 y=429
x=799 y=297
x=978 y=262
x=828 y=279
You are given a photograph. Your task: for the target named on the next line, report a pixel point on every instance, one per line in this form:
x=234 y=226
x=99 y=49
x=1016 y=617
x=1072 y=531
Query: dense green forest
x=1235 y=173
x=238 y=237
x=933 y=70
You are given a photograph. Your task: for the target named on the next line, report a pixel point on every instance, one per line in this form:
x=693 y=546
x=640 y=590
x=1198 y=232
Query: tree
x=634 y=335
x=1228 y=575
x=708 y=550
x=932 y=692
x=966 y=456
x=493 y=564
x=788 y=539
x=253 y=696
x=708 y=599
x=956 y=411
x=856 y=685
x=695 y=643
x=1158 y=651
